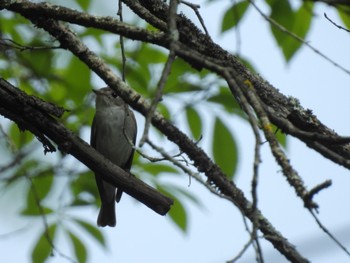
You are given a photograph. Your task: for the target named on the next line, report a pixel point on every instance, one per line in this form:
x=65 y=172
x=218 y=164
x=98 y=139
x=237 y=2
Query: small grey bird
x=113 y=130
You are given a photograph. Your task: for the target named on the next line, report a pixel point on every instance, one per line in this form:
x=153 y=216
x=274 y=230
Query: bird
x=113 y=134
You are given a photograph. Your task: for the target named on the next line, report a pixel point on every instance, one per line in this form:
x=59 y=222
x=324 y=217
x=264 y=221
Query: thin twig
x=195 y=9
x=173 y=36
x=257 y=159
x=16 y=159
x=319 y=188
x=328 y=233
x=338 y=26
x=14 y=44
x=188 y=171
x=121 y=39
x=241 y=252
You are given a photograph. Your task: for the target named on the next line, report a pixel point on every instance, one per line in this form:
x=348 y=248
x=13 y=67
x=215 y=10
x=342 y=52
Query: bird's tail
x=106 y=216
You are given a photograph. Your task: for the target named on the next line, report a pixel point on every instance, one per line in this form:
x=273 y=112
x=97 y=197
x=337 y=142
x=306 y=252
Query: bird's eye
x=114 y=95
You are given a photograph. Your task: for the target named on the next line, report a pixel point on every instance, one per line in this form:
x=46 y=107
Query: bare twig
x=195 y=9
x=188 y=171
x=121 y=39
x=9 y=43
x=242 y=251
x=173 y=35
x=335 y=24
x=328 y=233
x=16 y=160
x=319 y=188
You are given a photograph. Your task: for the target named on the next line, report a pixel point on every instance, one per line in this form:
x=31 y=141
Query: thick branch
x=17 y=106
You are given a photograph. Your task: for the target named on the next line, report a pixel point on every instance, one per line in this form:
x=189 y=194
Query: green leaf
x=233 y=15
x=177 y=212
x=77 y=77
x=41 y=186
x=84 y=4
x=178 y=191
x=157 y=168
x=225 y=99
x=149 y=53
x=138 y=78
x=194 y=122
x=38 y=61
x=97 y=34
x=282 y=13
x=22 y=170
x=224 y=148
x=302 y=22
x=344 y=14
x=163 y=109
x=297 y=22
x=176 y=82
x=19 y=138
x=43 y=247
x=281 y=137
x=79 y=248
x=85 y=183
x=93 y=231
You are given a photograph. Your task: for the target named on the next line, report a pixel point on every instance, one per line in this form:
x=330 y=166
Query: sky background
x=216 y=231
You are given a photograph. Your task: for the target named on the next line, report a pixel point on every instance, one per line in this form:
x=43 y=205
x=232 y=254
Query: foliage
x=287 y=24
x=58 y=77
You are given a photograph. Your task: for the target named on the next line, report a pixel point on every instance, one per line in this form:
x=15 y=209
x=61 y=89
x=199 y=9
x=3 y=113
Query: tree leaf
x=233 y=15
x=40 y=187
x=84 y=4
x=301 y=25
x=343 y=12
x=38 y=61
x=93 y=231
x=79 y=248
x=84 y=184
x=282 y=13
x=297 y=22
x=177 y=212
x=225 y=99
x=43 y=248
x=157 y=168
x=194 y=122
x=77 y=78
x=19 y=138
x=224 y=148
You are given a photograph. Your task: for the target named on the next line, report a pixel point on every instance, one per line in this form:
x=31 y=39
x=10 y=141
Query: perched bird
x=112 y=134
